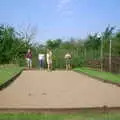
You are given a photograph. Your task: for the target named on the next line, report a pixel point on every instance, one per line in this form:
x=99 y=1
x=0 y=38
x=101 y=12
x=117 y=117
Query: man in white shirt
x=41 y=58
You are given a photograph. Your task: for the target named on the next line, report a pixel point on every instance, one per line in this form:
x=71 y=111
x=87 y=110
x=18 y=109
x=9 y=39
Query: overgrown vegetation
x=14 y=45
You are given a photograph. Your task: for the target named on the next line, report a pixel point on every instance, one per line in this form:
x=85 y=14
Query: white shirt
x=67 y=56
x=41 y=57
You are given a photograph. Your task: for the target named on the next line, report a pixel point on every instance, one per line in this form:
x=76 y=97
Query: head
x=29 y=50
x=48 y=50
x=67 y=52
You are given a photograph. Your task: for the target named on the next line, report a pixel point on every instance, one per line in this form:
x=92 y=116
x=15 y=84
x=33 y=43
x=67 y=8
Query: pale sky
x=53 y=19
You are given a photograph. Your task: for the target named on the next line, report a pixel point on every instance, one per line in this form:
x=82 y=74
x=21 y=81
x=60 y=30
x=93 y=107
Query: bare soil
x=58 y=89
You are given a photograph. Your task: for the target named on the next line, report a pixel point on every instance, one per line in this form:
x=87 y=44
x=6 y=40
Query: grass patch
x=102 y=75
x=7 y=72
x=77 y=116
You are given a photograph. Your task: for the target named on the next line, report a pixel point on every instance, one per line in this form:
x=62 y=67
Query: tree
x=93 y=42
x=106 y=36
x=53 y=44
x=12 y=45
x=7 y=37
x=116 y=44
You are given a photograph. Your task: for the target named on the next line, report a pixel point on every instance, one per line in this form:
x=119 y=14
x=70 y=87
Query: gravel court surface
x=58 y=89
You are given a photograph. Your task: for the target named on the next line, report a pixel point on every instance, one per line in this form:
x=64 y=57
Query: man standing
x=29 y=59
x=41 y=58
x=68 y=61
x=49 y=59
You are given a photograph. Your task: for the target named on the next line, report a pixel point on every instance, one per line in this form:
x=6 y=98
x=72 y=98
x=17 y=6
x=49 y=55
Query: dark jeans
x=41 y=63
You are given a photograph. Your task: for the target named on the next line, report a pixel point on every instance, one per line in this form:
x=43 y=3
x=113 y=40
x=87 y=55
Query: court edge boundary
x=9 y=81
x=100 y=79
x=59 y=110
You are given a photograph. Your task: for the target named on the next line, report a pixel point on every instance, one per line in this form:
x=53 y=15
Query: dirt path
x=58 y=89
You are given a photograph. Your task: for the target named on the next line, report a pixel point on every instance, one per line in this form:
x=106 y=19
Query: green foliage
x=116 y=44
x=77 y=61
x=84 y=115
x=107 y=35
x=14 y=45
x=7 y=36
x=93 y=42
x=53 y=44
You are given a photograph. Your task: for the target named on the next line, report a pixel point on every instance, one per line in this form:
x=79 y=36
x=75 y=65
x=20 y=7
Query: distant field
x=103 y=75
x=77 y=116
x=8 y=71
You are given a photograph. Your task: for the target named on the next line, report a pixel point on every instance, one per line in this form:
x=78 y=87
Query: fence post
x=110 y=54
x=101 y=54
x=85 y=53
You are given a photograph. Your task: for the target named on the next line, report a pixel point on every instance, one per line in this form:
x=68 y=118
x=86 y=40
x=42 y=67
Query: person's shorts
x=29 y=61
x=49 y=62
x=68 y=61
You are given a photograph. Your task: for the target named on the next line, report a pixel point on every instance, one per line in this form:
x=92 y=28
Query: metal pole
x=110 y=54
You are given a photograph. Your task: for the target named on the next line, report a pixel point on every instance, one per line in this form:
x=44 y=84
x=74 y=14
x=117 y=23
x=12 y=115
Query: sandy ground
x=58 y=89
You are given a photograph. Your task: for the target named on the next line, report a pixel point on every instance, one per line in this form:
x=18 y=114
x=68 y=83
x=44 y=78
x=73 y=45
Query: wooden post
x=85 y=53
x=110 y=54
x=101 y=55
